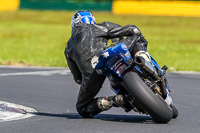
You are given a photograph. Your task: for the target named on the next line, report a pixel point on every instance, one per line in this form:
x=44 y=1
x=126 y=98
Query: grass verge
x=39 y=37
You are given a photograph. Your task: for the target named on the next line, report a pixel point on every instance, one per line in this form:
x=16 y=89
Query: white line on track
x=61 y=70
x=186 y=72
x=43 y=73
x=30 y=67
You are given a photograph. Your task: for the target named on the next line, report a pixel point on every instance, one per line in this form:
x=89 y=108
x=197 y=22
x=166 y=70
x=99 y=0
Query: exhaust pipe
x=141 y=62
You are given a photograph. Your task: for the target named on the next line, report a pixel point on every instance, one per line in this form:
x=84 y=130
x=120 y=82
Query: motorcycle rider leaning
x=88 y=40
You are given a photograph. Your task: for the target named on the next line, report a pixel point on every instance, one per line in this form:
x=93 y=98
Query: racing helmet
x=83 y=16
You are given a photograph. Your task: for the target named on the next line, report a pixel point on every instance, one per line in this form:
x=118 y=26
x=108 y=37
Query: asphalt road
x=53 y=93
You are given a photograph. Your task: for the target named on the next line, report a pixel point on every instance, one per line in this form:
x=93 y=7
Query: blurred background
x=35 y=32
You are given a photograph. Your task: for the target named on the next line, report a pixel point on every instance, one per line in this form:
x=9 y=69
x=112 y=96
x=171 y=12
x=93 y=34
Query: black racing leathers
x=86 y=43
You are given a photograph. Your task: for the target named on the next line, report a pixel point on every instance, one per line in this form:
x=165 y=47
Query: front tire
x=175 y=111
x=154 y=105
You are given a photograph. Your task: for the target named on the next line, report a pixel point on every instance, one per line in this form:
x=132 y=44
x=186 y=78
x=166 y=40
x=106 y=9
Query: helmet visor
x=88 y=20
x=87 y=17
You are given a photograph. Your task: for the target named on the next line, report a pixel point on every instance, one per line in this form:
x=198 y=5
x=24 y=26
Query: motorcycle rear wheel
x=153 y=104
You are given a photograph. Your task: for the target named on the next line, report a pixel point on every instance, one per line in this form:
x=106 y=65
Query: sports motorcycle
x=142 y=83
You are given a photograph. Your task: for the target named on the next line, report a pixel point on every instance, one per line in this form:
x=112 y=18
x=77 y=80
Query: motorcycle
x=142 y=83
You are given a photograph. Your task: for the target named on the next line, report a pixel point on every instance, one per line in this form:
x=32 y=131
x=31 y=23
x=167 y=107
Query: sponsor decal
x=105 y=55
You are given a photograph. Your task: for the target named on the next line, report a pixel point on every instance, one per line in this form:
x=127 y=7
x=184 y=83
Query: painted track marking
x=43 y=73
x=11 y=111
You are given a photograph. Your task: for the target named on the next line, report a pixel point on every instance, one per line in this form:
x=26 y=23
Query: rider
x=87 y=41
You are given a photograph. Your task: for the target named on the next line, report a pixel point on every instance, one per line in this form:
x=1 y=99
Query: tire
x=155 y=106
x=175 y=111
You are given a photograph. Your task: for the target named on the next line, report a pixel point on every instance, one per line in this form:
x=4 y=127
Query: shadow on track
x=65 y=115
x=104 y=117
x=124 y=118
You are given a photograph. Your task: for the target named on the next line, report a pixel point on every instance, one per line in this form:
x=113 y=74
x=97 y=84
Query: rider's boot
x=108 y=102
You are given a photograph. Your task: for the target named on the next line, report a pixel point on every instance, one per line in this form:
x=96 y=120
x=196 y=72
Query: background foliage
x=39 y=37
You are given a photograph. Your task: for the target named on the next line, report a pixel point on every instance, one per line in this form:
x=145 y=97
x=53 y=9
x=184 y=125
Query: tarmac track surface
x=53 y=93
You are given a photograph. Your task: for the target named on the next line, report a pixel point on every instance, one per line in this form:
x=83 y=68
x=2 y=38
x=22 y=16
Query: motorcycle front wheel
x=153 y=104
x=175 y=111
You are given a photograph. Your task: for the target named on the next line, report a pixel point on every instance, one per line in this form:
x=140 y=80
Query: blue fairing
x=113 y=59
x=154 y=62
x=156 y=65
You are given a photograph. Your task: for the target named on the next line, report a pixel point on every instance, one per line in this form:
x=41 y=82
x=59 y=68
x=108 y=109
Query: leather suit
x=88 y=41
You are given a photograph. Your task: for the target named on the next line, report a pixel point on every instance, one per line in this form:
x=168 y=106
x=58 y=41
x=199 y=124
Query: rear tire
x=154 y=105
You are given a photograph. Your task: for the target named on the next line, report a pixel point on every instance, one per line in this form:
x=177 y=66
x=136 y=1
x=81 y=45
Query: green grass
x=39 y=37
